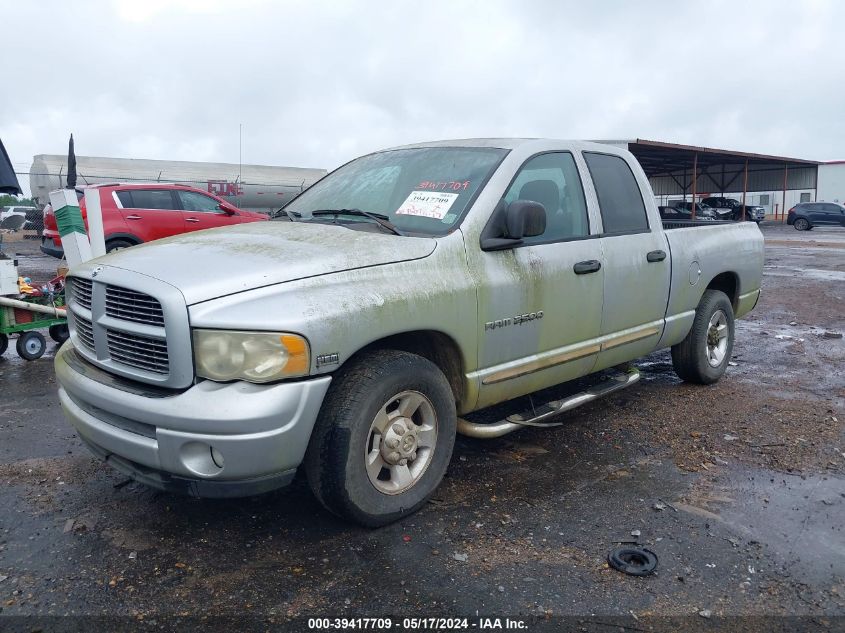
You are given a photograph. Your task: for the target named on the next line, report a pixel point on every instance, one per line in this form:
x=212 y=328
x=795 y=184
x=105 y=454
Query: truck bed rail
x=682 y=224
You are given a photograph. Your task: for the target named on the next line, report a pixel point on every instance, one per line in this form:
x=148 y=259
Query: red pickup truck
x=135 y=213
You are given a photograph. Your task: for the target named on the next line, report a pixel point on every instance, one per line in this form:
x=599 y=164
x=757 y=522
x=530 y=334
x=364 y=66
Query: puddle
x=658 y=366
x=811 y=273
x=798 y=518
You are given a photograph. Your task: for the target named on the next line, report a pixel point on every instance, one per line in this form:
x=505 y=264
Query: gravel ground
x=739 y=488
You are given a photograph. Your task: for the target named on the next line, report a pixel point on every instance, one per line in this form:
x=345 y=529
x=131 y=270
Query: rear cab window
x=620 y=198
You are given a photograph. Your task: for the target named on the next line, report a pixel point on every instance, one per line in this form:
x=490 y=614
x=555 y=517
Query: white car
x=6 y=212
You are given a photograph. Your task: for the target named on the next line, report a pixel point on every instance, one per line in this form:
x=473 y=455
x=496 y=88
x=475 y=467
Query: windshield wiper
x=293 y=216
x=379 y=218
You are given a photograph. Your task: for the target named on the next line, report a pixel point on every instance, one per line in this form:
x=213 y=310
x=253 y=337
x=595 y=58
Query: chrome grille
x=80 y=290
x=85 y=331
x=130 y=305
x=130 y=325
x=139 y=351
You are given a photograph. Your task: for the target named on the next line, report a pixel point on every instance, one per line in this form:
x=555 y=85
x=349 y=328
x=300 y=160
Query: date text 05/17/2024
x=416 y=624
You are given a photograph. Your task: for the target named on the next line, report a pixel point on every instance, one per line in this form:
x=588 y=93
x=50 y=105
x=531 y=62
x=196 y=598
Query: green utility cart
x=31 y=344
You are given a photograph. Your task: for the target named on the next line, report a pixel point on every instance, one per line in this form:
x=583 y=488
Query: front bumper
x=259 y=433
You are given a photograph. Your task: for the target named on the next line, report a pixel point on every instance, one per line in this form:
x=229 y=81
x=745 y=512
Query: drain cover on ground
x=635 y=561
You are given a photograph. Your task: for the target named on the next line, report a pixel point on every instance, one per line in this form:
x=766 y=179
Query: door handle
x=133 y=217
x=191 y=220
x=589 y=266
x=656 y=256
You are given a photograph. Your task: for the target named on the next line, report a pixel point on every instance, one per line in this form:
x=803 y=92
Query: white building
x=832 y=182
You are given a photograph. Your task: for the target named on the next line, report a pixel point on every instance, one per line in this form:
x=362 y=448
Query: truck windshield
x=420 y=191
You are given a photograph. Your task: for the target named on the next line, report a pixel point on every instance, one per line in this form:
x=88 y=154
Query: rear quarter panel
x=723 y=248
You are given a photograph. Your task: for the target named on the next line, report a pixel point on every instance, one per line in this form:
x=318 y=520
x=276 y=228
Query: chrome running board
x=540 y=415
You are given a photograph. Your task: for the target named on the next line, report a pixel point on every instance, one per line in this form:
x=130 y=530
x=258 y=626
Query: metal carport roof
x=675 y=169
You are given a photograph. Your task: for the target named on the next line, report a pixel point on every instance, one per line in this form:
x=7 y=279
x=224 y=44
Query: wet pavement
x=739 y=489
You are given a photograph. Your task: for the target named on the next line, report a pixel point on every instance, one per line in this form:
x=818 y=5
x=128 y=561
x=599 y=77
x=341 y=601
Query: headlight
x=254 y=356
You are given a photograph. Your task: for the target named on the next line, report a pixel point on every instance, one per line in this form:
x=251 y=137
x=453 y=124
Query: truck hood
x=214 y=263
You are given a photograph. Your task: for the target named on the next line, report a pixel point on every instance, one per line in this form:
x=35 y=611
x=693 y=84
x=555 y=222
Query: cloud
x=315 y=84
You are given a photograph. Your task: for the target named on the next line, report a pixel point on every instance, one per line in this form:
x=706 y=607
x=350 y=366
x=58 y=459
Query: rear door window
x=620 y=199
x=125 y=198
x=148 y=199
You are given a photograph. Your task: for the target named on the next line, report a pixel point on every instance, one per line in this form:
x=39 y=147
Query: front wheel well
x=437 y=347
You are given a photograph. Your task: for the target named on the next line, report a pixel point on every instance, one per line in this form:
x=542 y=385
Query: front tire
x=802 y=224
x=383 y=439
x=703 y=356
x=117 y=245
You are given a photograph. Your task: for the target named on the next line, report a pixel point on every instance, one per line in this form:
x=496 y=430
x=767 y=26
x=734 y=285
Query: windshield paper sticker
x=427 y=204
x=451 y=185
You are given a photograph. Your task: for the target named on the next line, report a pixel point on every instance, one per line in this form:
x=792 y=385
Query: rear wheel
x=4 y=343
x=31 y=345
x=802 y=224
x=702 y=357
x=117 y=244
x=383 y=439
x=59 y=332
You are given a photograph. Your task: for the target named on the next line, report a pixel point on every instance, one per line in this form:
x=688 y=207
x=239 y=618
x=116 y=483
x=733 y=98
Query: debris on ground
x=634 y=561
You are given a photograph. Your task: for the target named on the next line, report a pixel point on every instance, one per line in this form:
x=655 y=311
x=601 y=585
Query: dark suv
x=806 y=215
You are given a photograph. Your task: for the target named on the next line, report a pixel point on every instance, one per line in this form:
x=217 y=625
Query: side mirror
x=226 y=209
x=524 y=218
x=510 y=224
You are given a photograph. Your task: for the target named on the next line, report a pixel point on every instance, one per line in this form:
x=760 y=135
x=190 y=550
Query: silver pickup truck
x=355 y=335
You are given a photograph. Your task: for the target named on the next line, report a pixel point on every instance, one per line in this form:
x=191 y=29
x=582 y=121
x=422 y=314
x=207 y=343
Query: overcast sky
x=315 y=84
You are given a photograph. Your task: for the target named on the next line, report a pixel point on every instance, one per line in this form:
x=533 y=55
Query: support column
x=783 y=205
x=71 y=226
x=96 y=235
x=694 y=172
x=744 y=189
